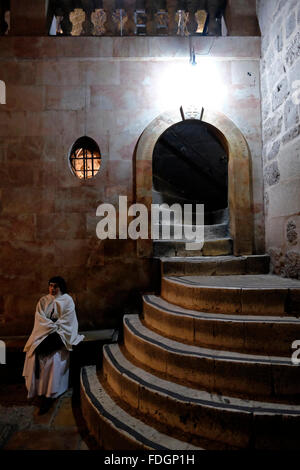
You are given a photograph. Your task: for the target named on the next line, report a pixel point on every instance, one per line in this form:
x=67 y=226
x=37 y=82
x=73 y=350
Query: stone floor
x=61 y=428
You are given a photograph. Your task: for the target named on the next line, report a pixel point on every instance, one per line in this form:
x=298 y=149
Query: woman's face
x=53 y=288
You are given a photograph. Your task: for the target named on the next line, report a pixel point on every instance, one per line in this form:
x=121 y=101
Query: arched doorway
x=190 y=166
x=239 y=172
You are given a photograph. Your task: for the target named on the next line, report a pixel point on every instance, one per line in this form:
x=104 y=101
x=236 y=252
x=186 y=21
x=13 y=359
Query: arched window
x=85 y=158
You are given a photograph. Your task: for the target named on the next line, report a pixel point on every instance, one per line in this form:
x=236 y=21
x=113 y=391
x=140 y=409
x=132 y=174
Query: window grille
x=85 y=158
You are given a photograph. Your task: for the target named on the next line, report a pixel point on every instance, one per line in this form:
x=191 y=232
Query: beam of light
x=200 y=84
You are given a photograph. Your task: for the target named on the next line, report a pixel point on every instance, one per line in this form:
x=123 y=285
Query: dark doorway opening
x=190 y=165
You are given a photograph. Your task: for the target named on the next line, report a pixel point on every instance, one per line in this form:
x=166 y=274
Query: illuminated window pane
x=85 y=158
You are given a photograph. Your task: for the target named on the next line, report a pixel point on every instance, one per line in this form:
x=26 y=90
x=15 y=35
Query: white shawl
x=66 y=325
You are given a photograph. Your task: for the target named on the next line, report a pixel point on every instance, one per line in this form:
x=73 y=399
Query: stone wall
x=241 y=19
x=280 y=70
x=59 y=89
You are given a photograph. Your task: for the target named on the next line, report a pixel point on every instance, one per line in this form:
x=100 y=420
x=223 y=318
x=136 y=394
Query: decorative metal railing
x=130 y=17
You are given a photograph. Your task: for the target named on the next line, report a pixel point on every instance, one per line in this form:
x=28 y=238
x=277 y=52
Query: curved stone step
x=246 y=375
x=245 y=294
x=211 y=232
x=219 y=216
x=249 y=334
x=114 y=428
x=215 y=266
x=214 y=247
x=196 y=413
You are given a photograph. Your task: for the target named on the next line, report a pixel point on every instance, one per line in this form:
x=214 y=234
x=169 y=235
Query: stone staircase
x=217 y=241
x=207 y=365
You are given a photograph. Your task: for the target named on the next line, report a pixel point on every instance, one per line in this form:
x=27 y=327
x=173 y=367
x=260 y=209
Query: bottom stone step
x=197 y=414
x=171 y=248
x=114 y=428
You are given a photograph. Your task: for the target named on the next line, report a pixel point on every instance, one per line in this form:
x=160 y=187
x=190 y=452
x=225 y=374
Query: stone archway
x=239 y=173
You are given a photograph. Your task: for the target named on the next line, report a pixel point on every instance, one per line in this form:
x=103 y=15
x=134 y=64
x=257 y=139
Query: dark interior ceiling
x=189 y=163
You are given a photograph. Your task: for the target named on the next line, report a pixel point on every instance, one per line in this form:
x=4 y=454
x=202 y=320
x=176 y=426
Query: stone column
x=29 y=18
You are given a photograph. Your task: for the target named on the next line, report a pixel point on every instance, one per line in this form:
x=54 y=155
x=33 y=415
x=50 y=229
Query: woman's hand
x=53 y=316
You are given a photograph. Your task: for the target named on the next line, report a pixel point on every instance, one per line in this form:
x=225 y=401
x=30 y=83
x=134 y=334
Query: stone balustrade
x=141 y=17
x=130 y=17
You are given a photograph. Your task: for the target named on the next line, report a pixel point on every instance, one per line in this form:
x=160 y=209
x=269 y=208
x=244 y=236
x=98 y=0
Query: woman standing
x=55 y=331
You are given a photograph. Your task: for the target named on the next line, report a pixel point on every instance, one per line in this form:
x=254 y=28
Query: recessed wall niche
x=85 y=158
